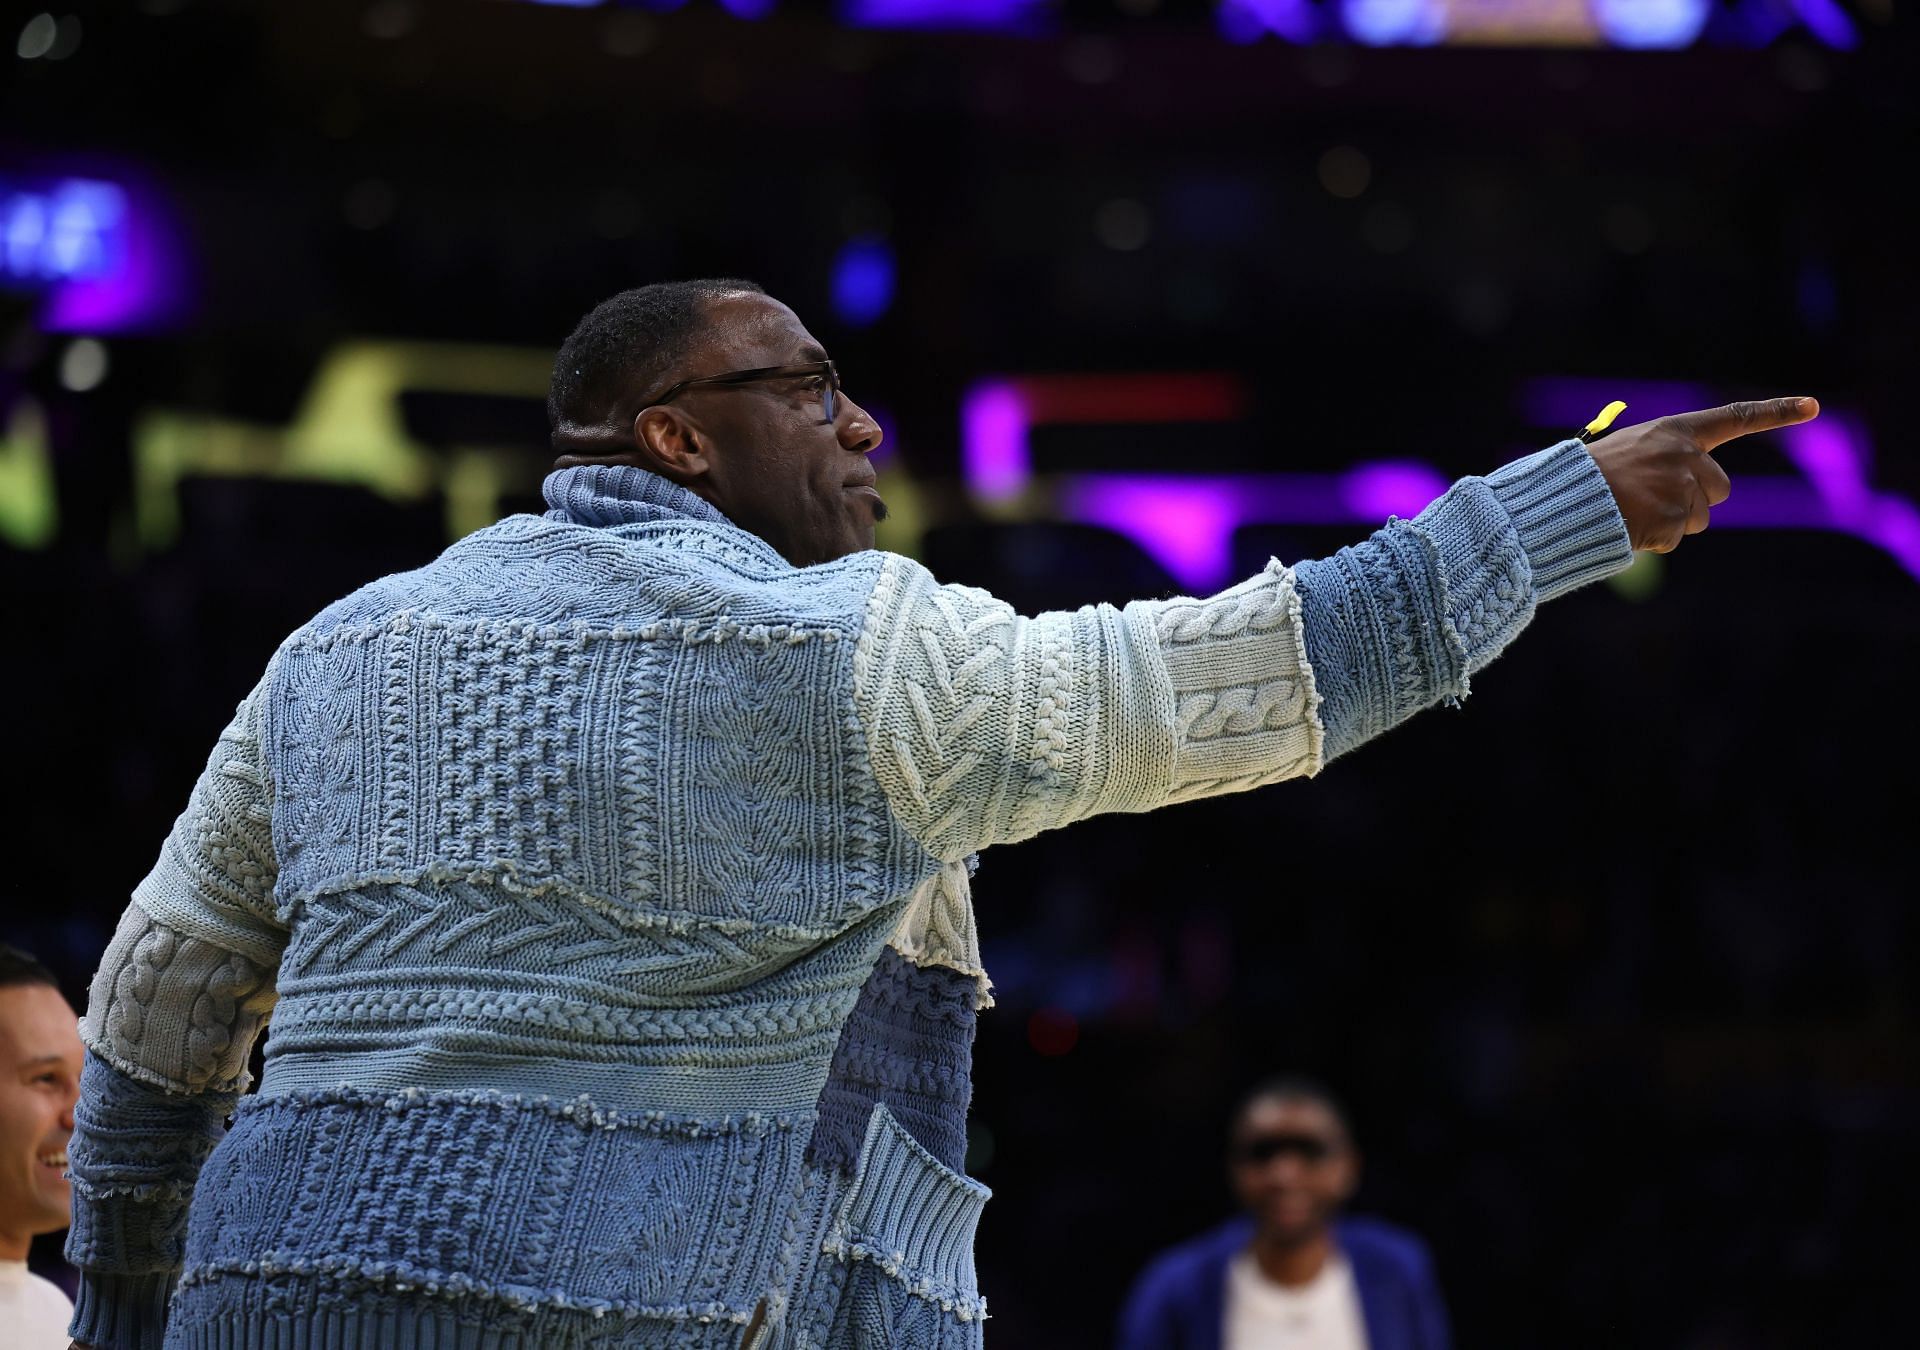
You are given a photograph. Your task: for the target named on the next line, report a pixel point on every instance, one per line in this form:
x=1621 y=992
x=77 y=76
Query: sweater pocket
x=903 y=1237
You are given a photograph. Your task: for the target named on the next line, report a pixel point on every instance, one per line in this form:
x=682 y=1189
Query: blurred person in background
x=40 y=1055
x=607 y=879
x=1291 y=1272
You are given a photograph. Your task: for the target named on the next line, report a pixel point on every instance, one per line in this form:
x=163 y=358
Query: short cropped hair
x=18 y=967
x=1296 y=1088
x=634 y=340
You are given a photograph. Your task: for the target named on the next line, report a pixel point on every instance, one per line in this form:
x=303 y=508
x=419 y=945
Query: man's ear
x=672 y=445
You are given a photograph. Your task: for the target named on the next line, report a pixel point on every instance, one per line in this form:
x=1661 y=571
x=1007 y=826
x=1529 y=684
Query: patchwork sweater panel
x=559 y=868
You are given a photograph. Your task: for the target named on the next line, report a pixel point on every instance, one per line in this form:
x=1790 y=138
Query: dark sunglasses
x=1264 y=1148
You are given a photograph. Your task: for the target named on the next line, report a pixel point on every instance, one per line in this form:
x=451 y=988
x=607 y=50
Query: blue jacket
x=1180 y=1300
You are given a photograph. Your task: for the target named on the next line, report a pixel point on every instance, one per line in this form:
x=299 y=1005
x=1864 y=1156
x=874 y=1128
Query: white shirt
x=34 y=1312
x=1323 y=1314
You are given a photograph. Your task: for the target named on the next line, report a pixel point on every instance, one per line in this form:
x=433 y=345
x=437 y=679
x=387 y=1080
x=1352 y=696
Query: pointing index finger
x=1714 y=427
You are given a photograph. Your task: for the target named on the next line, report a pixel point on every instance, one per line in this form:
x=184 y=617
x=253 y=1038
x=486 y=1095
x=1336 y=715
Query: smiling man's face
x=39 y=1082
x=773 y=463
x=1292 y=1166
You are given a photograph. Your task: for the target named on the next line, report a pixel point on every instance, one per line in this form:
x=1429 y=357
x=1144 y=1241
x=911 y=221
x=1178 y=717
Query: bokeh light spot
x=1345 y=171
x=1052 y=1032
x=36 y=37
x=83 y=365
x=1123 y=224
x=863 y=279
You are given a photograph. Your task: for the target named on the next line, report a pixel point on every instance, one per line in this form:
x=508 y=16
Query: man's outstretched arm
x=987 y=727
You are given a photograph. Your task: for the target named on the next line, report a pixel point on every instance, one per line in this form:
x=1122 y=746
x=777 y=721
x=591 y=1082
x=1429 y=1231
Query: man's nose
x=858 y=432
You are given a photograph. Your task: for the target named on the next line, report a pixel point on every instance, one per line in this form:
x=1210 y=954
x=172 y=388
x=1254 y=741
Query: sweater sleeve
x=182 y=992
x=1402 y=621
x=986 y=727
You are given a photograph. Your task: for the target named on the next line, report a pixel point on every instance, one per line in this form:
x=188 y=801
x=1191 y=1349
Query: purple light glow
x=1187 y=524
x=993 y=441
x=1833 y=455
x=1895 y=526
x=1391 y=488
x=1011 y=16
x=1888 y=522
x=1559 y=401
x=1249 y=20
x=103 y=254
x=1828 y=22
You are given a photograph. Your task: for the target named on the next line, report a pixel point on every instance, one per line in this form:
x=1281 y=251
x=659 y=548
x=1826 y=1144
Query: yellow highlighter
x=1603 y=421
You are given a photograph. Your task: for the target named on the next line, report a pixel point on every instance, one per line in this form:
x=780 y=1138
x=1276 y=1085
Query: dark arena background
x=1617 y=963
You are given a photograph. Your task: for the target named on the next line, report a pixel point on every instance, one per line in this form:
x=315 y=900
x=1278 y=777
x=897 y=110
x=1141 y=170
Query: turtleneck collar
x=620 y=494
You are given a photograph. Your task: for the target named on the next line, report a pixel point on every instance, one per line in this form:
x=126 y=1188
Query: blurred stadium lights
x=1630 y=24
x=1186 y=523
x=101 y=257
x=1250 y=20
x=1398 y=23
x=351 y=428
x=1828 y=22
x=1008 y=16
x=29 y=505
x=863 y=277
x=83 y=365
x=37 y=37
x=45 y=37
x=996 y=414
x=1651 y=23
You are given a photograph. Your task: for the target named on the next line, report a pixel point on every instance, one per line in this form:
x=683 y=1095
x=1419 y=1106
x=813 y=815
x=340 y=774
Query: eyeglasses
x=823 y=371
x=1264 y=1148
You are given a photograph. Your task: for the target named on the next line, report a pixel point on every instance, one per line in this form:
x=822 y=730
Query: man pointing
x=611 y=872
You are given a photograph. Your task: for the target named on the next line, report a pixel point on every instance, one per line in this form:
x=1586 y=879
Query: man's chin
x=1292 y=1227
x=55 y=1215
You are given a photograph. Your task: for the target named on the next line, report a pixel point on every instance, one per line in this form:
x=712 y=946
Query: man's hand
x=1663 y=473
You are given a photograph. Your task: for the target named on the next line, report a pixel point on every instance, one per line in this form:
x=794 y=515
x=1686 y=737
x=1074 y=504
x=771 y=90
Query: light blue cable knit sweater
x=607 y=883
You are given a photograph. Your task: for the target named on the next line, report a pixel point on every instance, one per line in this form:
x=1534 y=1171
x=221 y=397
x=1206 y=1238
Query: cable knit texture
x=987 y=727
x=611 y=878
x=1402 y=621
x=909 y=1044
x=938 y=928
